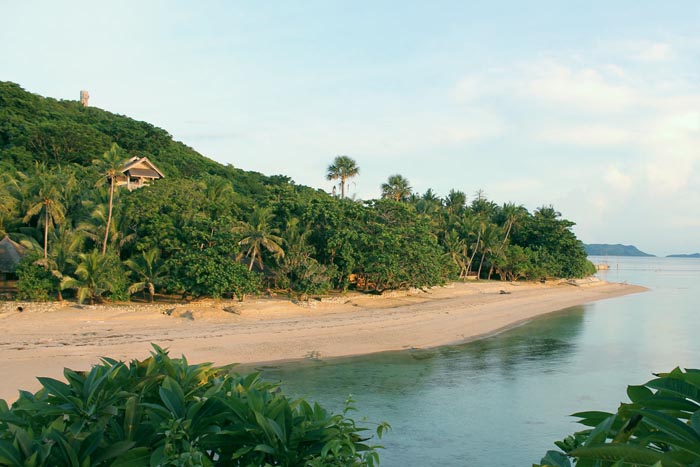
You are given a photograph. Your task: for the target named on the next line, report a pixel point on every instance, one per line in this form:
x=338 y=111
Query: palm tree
x=455 y=202
x=257 y=234
x=149 y=270
x=343 y=168
x=93 y=277
x=47 y=198
x=120 y=232
x=65 y=243
x=397 y=188
x=512 y=215
x=109 y=166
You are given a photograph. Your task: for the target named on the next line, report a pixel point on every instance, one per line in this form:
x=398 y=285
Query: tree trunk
x=252 y=260
x=342 y=188
x=481 y=263
x=109 y=215
x=476 y=248
x=46 y=236
x=151 y=291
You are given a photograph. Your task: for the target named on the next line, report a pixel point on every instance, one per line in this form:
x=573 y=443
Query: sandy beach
x=40 y=339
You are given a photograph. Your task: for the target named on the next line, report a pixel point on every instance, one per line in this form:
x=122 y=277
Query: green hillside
x=604 y=249
x=213 y=230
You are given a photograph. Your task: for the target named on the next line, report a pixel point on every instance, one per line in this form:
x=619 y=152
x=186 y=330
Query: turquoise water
x=502 y=401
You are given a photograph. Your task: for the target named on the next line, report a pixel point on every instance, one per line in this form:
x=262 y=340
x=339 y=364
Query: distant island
x=694 y=255
x=604 y=249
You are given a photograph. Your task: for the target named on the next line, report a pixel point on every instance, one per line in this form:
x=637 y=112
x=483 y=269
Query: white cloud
x=617 y=180
x=588 y=89
x=586 y=135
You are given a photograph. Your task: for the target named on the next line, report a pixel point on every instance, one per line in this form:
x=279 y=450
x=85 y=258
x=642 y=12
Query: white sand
x=42 y=339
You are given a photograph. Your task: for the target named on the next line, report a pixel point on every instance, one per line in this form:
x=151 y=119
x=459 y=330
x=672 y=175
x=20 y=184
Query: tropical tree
x=397 y=188
x=343 y=168
x=109 y=166
x=94 y=277
x=455 y=201
x=257 y=234
x=46 y=202
x=149 y=270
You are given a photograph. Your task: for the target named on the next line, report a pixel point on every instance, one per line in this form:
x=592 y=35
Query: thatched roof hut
x=10 y=255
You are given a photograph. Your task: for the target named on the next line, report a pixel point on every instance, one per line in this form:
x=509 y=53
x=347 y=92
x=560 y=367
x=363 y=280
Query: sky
x=590 y=106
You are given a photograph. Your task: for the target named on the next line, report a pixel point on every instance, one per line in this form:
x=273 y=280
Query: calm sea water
x=502 y=401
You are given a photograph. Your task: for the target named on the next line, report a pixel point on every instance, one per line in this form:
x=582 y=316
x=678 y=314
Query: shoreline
x=44 y=338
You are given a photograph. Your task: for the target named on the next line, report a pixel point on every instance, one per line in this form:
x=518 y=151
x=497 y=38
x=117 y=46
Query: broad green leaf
x=627 y=452
x=555 y=459
x=137 y=457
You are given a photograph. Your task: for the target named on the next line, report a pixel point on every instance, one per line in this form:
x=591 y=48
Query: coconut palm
x=455 y=202
x=256 y=235
x=397 y=188
x=47 y=199
x=149 y=270
x=120 y=231
x=93 y=277
x=109 y=166
x=343 y=168
x=512 y=216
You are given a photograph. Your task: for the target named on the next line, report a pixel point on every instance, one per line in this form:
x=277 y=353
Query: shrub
x=35 y=283
x=166 y=412
x=660 y=427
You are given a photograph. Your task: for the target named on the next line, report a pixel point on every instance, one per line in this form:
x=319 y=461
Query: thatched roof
x=10 y=255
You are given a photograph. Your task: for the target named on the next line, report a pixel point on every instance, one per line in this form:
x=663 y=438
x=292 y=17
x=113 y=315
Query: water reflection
x=502 y=401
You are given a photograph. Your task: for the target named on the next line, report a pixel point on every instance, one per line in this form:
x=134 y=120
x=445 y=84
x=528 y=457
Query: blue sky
x=592 y=106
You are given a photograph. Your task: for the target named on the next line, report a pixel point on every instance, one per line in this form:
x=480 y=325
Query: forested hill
x=59 y=132
x=213 y=230
x=604 y=249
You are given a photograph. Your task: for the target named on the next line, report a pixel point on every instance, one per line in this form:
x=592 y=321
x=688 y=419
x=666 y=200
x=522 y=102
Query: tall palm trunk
x=109 y=215
x=46 y=235
x=476 y=248
x=342 y=188
x=481 y=263
x=252 y=260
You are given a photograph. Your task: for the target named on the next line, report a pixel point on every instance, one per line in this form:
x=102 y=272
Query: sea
x=504 y=400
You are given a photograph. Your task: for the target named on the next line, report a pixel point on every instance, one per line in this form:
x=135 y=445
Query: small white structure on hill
x=84 y=97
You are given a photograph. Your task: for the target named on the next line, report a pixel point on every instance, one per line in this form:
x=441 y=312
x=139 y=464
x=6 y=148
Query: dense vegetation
x=213 y=230
x=659 y=427
x=167 y=412
x=604 y=249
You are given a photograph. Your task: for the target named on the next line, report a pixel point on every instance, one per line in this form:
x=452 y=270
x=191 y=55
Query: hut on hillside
x=10 y=255
x=138 y=172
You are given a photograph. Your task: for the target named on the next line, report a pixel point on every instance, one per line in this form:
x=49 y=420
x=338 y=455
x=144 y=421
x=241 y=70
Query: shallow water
x=502 y=401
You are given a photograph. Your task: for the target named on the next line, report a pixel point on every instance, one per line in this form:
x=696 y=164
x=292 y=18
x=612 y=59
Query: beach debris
x=313 y=355
x=503 y=292
x=168 y=311
x=232 y=309
x=20 y=309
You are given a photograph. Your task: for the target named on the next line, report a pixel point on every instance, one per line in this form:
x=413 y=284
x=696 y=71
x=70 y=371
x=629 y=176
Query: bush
x=660 y=427
x=35 y=283
x=166 y=412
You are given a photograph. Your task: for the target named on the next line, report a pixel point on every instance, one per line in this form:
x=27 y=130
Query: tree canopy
x=212 y=230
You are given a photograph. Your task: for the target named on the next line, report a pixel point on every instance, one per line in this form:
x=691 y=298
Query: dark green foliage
x=209 y=273
x=167 y=412
x=660 y=426
x=35 y=283
x=204 y=218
